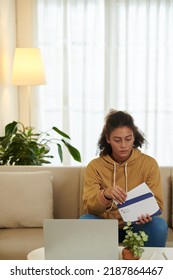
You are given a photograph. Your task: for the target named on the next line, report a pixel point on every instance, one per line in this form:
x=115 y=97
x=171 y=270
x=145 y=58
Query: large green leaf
x=60 y=152
x=73 y=151
x=11 y=128
x=60 y=132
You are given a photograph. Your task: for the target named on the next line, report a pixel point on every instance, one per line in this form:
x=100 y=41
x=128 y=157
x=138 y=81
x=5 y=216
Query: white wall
x=16 y=30
x=8 y=93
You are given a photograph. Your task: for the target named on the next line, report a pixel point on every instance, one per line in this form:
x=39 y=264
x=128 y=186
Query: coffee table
x=37 y=254
x=150 y=253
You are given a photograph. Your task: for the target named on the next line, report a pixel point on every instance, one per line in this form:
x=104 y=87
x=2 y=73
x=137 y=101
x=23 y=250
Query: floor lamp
x=28 y=70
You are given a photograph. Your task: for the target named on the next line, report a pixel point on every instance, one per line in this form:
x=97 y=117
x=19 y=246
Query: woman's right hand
x=116 y=193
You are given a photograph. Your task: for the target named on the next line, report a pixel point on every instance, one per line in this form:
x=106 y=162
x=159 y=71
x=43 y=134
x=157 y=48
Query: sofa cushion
x=26 y=198
x=16 y=243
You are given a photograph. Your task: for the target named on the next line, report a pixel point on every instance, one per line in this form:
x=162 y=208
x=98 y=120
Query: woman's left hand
x=143 y=219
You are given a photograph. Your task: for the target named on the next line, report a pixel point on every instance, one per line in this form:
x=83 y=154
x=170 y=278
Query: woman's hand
x=116 y=193
x=143 y=219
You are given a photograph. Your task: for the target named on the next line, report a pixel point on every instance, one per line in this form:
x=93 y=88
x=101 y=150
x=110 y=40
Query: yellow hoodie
x=103 y=172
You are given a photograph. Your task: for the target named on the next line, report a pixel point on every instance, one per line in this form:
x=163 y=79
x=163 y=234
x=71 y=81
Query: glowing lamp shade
x=28 y=67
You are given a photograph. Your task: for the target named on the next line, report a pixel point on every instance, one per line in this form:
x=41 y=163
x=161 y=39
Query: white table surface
x=37 y=254
x=150 y=253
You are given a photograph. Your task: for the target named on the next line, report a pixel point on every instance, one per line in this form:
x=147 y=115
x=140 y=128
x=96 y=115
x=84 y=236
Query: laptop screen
x=73 y=239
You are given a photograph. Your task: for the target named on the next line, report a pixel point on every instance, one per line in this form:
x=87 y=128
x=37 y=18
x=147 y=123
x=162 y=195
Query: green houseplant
x=133 y=242
x=22 y=146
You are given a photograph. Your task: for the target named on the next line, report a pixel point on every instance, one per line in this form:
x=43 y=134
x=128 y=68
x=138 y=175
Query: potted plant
x=133 y=242
x=22 y=146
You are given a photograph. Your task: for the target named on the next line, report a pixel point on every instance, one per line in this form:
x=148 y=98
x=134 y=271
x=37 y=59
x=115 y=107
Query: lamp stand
x=29 y=103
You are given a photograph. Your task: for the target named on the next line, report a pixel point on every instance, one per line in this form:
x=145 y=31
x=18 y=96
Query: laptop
x=73 y=239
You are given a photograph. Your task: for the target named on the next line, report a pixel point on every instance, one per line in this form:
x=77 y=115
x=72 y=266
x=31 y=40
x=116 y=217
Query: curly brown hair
x=116 y=119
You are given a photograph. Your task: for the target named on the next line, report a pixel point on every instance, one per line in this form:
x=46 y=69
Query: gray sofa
x=19 y=236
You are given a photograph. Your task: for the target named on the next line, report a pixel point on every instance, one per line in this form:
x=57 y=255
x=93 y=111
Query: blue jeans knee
x=90 y=216
x=157 y=231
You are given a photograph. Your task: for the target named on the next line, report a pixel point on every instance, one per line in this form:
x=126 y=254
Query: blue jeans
x=157 y=230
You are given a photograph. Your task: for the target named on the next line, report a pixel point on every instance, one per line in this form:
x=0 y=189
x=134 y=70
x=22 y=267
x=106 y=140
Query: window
x=107 y=54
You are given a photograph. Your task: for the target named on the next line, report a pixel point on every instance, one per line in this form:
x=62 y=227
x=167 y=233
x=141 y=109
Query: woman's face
x=121 y=140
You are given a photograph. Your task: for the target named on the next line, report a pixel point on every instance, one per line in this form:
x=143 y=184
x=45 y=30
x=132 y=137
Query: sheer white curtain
x=71 y=36
x=139 y=56
x=107 y=54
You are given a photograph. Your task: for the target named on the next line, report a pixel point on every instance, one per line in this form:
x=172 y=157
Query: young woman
x=120 y=167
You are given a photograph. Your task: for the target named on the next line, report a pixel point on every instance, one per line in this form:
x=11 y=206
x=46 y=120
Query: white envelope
x=139 y=201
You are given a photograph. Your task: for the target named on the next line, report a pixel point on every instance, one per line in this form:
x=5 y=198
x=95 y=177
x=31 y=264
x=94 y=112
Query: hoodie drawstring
x=114 y=175
x=114 y=181
x=125 y=170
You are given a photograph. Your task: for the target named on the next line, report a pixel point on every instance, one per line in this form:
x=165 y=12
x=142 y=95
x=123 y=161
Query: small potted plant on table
x=133 y=242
